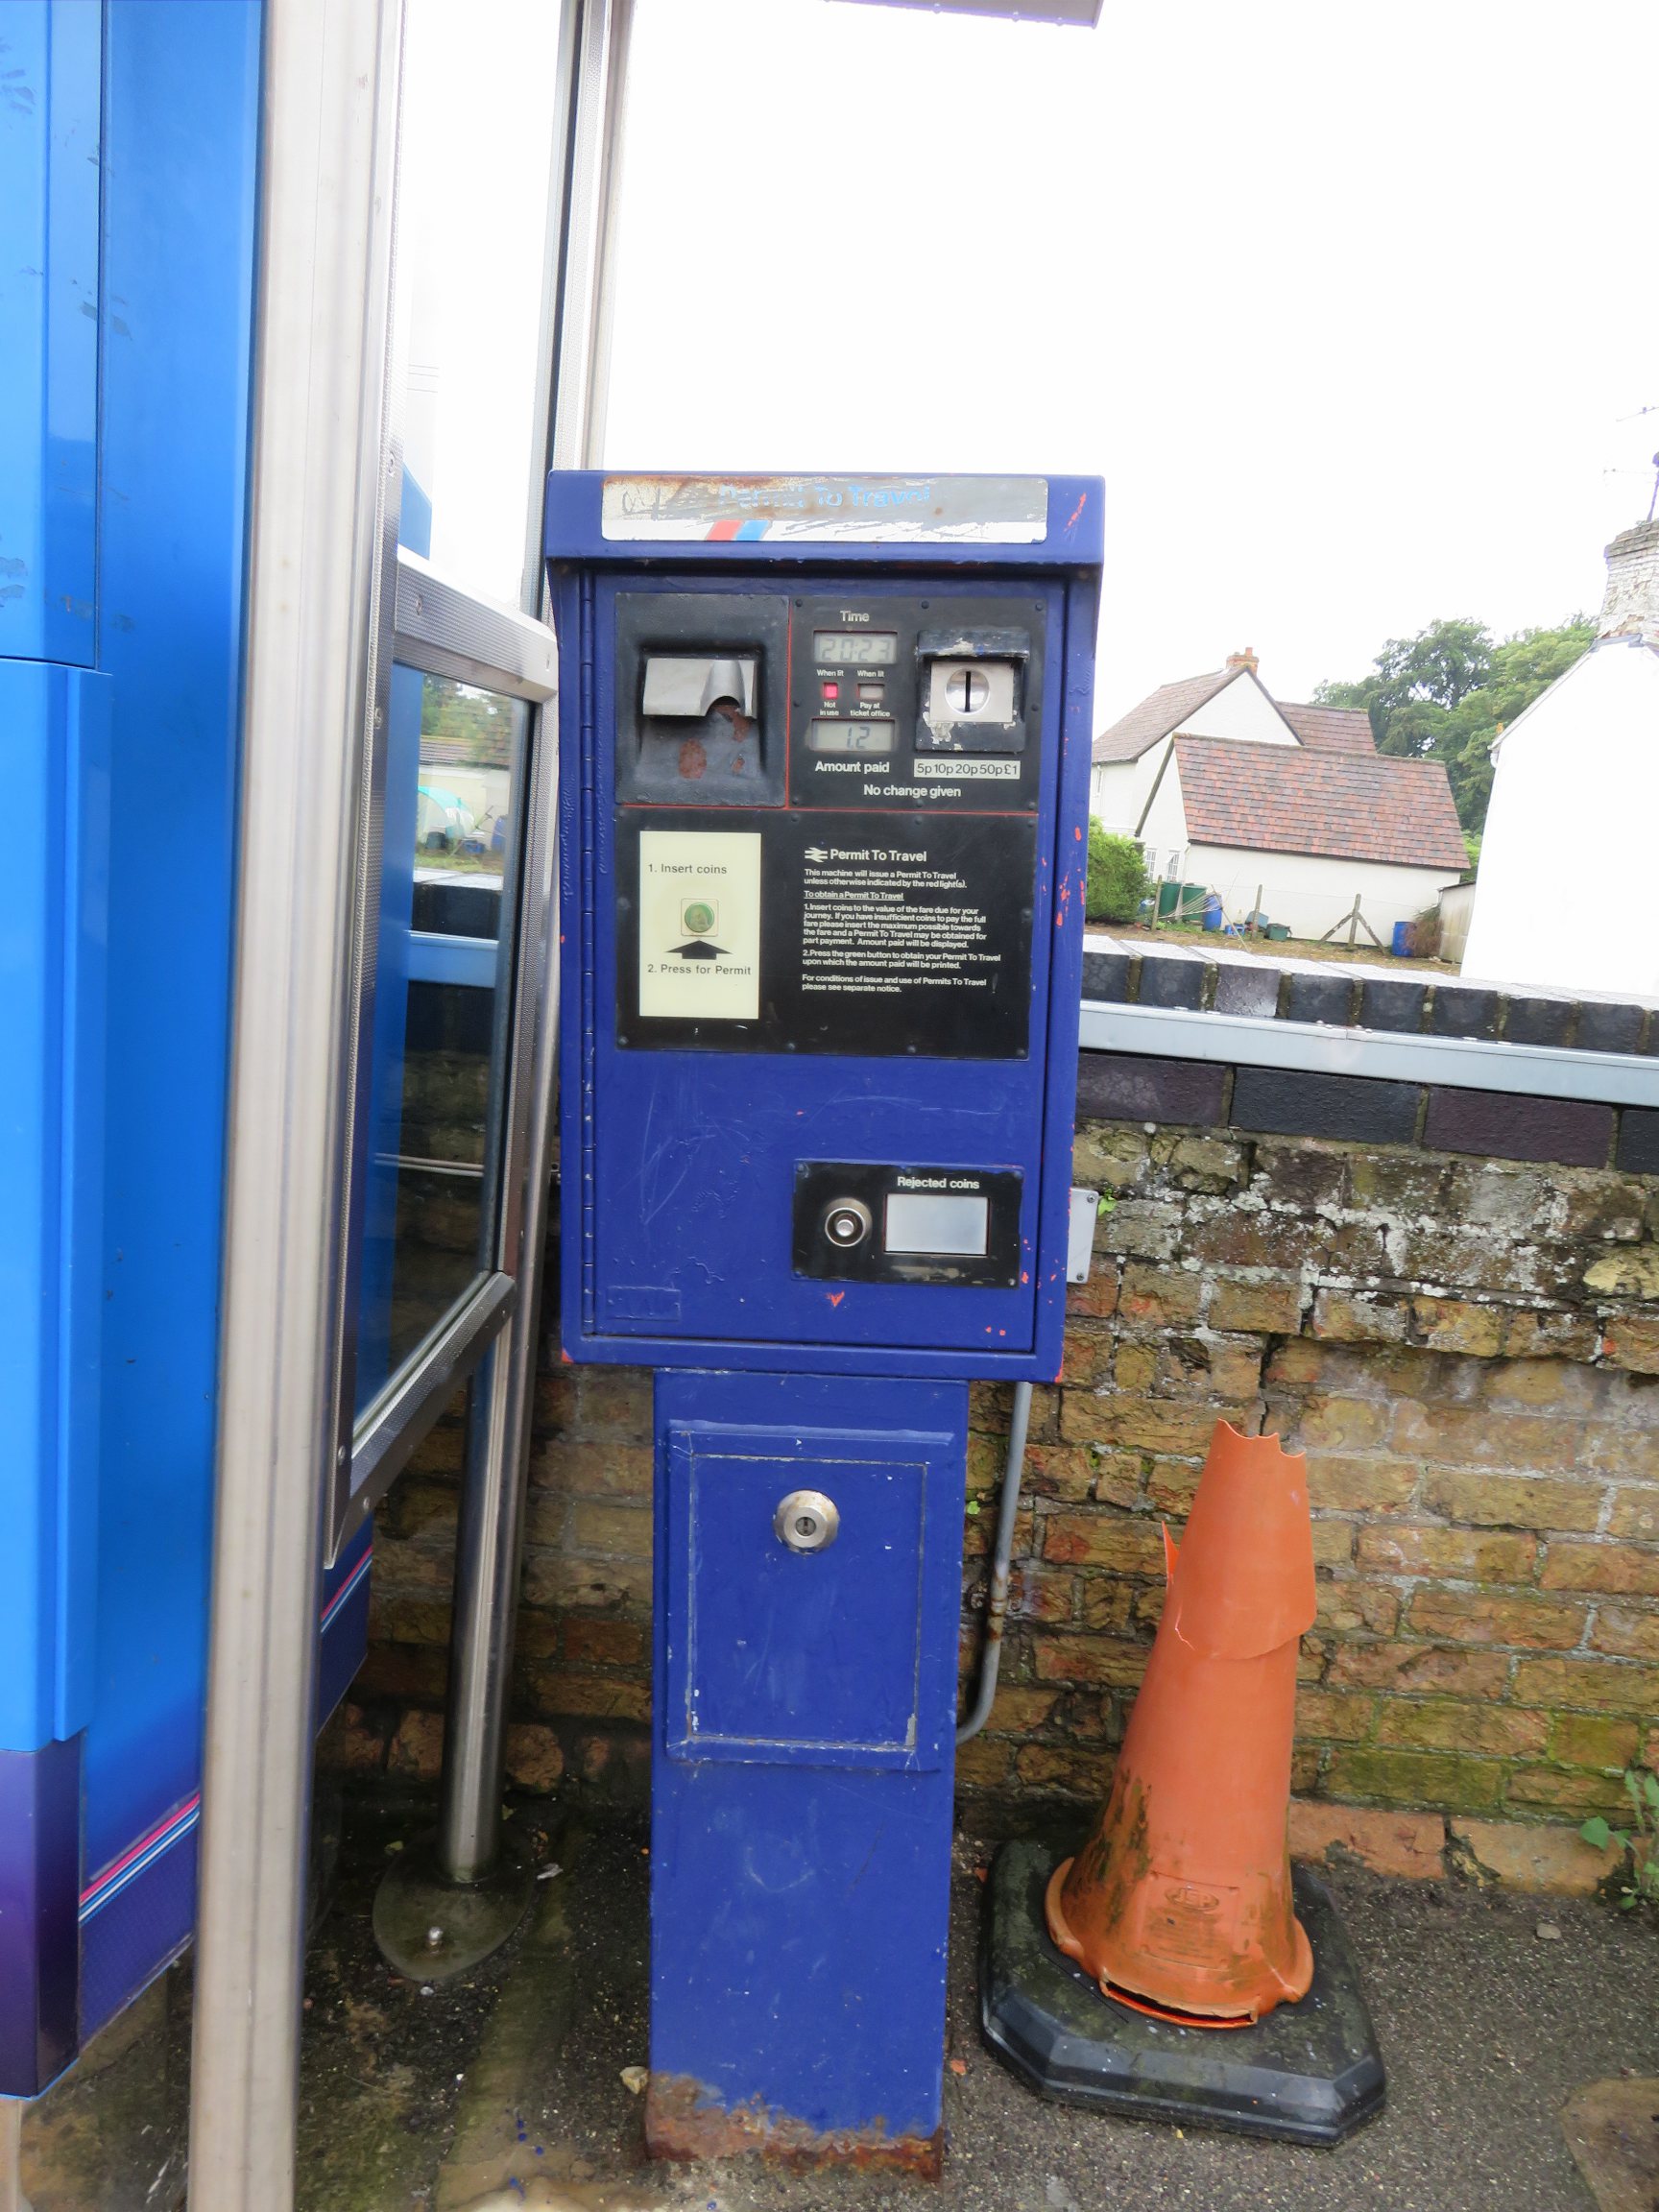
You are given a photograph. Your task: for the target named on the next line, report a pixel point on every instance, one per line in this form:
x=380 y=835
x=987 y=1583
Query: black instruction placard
x=875 y=933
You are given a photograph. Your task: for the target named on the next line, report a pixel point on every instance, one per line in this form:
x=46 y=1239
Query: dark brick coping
x=1358 y=994
x=1364 y=1109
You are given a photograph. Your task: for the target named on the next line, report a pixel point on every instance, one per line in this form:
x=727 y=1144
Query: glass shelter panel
x=454 y=770
x=478 y=129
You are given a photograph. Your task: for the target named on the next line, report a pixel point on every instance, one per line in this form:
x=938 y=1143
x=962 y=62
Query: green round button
x=699 y=916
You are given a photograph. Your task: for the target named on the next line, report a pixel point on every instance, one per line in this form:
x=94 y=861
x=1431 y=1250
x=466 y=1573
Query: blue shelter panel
x=127 y=169
x=181 y=137
x=39 y=1824
x=50 y=99
x=53 y=925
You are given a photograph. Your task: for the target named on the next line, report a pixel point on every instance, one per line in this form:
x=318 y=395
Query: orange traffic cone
x=1179 y=1903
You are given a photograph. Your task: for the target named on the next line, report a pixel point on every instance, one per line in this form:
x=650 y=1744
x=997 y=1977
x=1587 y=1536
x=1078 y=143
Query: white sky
x=1345 y=303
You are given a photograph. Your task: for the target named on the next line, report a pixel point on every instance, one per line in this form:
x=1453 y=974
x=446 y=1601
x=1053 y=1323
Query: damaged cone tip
x=1179 y=1904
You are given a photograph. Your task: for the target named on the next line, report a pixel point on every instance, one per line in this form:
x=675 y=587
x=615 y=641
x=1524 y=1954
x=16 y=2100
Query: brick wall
x=1467 y=1349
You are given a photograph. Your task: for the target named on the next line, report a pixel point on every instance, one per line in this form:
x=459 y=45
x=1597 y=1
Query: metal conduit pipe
x=1003 y=1553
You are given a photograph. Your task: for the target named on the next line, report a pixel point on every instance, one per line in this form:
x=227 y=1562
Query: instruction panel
x=825 y=824
x=886 y=921
x=845 y=933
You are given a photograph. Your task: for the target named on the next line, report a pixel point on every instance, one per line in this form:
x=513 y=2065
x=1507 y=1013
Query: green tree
x=1445 y=694
x=477 y=724
x=1116 y=877
x=1415 y=683
x=1522 y=667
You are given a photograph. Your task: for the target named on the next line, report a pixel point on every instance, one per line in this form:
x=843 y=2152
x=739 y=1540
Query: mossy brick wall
x=1466 y=1349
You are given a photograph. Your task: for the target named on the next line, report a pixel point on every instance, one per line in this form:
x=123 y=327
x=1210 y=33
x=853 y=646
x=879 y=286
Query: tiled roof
x=1330 y=729
x=1273 y=799
x=1157 y=715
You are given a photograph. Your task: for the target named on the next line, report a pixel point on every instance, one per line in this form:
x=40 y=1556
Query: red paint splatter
x=1082 y=502
x=565 y=1356
x=835 y=1296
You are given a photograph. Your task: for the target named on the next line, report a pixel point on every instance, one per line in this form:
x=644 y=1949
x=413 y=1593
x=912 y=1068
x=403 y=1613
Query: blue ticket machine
x=825 y=753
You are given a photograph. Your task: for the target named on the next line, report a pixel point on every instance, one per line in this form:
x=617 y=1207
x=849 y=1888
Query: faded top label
x=885 y=510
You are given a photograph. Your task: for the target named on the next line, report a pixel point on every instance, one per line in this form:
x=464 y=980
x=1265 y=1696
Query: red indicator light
x=831 y=691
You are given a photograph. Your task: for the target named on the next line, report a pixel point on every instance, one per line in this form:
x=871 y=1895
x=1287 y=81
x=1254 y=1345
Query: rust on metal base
x=684 y=2121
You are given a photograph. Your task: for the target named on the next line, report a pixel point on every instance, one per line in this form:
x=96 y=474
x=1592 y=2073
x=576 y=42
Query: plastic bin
x=1212 y=912
x=1400 y=945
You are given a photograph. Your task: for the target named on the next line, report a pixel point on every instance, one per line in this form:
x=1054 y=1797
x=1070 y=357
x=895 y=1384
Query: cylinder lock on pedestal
x=806 y=1521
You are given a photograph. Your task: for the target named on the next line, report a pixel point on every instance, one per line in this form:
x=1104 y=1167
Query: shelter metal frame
x=441 y=629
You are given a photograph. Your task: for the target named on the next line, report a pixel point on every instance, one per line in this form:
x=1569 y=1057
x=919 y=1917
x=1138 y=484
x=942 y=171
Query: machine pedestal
x=801 y=1778
x=1309 y=2072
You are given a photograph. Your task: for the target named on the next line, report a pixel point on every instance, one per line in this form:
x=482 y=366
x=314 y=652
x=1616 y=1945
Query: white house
x=1290 y=807
x=1564 y=898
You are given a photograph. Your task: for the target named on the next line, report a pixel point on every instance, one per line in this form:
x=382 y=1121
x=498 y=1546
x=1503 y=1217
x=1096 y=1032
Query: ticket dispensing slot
x=973 y=690
x=700 y=683
x=690 y=686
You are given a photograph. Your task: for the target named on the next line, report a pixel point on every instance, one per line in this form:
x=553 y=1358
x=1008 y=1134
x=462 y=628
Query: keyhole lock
x=967 y=689
x=847 y=1222
x=806 y=1521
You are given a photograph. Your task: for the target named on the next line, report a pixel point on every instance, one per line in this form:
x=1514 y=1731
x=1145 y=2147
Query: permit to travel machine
x=824 y=813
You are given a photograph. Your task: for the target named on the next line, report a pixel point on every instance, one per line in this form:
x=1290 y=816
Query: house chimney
x=1631 y=607
x=1247 y=658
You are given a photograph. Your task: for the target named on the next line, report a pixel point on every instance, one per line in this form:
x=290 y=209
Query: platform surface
x=520 y=2072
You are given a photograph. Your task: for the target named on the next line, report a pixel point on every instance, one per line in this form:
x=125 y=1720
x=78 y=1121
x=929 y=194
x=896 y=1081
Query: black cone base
x=1309 y=2072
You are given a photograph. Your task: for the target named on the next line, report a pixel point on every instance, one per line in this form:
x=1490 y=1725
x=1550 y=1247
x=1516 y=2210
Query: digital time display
x=854 y=648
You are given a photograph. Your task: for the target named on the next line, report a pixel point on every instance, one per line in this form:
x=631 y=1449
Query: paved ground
x=1486 y=2029
x=425 y=2103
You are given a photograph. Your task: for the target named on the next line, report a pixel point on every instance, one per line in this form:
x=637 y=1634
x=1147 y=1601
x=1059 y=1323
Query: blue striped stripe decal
x=138 y=1857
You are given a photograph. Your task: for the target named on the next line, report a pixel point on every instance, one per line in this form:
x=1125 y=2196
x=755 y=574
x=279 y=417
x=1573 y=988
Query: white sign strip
x=823 y=509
